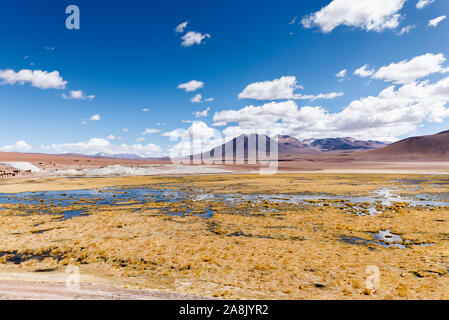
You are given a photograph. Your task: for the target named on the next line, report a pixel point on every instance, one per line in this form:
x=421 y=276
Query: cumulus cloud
x=198 y=138
x=435 y=22
x=181 y=27
x=19 y=146
x=95 y=117
x=110 y=137
x=97 y=145
x=191 y=86
x=37 y=78
x=77 y=95
x=281 y=89
x=192 y=37
x=370 y=15
x=197 y=129
x=150 y=131
x=145 y=110
x=407 y=71
x=203 y=113
x=393 y=112
x=423 y=3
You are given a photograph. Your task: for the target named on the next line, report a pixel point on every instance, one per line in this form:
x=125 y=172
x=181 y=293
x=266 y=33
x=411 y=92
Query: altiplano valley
x=234 y=157
x=290 y=235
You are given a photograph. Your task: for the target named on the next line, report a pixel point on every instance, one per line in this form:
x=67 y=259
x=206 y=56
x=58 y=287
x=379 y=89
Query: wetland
x=284 y=236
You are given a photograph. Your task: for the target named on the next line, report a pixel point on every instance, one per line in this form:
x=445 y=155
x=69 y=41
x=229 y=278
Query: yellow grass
x=268 y=250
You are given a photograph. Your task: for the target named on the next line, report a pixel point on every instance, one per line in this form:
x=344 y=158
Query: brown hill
x=432 y=147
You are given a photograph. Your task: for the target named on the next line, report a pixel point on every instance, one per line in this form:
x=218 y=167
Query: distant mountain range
x=416 y=148
x=119 y=156
x=287 y=145
x=126 y=156
x=290 y=146
x=432 y=148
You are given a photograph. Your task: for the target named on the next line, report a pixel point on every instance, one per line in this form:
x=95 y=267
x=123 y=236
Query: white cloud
x=197 y=129
x=280 y=89
x=293 y=21
x=370 y=15
x=180 y=28
x=140 y=139
x=192 y=37
x=198 y=138
x=125 y=130
x=422 y=3
x=19 y=146
x=197 y=98
x=77 y=95
x=95 y=117
x=145 y=110
x=407 y=71
x=435 y=22
x=37 y=78
x=150 y=131
x=325 y=96
x=191 y=85
x=406 y=29
x=203 y=113
x=364 y=71
x=97 y=145
x=394 y=112
x=342 y=73
x=110 y=137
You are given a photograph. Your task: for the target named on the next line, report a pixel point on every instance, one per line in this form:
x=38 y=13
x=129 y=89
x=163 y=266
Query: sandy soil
x=334 y=163
x=53 y=287
x=348 y=165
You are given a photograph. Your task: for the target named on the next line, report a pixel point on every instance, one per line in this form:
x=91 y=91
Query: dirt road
x=32 y=290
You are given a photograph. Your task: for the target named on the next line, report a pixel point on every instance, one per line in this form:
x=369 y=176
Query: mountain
x=290 y=146
x=103 y=155
x=431 y=147
x=128 y=156
x=250 y=146
x=345 y=144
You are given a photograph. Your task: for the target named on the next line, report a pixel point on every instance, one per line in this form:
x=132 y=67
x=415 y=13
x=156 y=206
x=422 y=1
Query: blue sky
x=278 y=56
